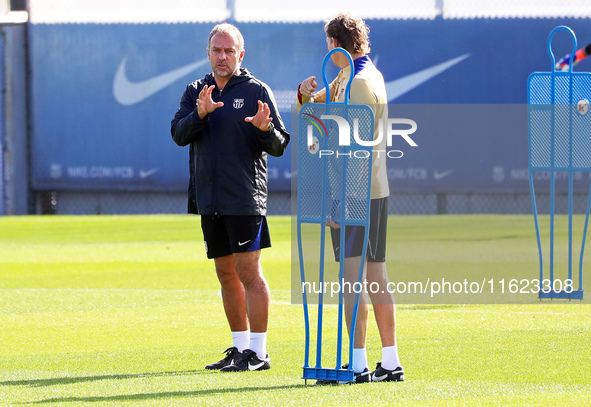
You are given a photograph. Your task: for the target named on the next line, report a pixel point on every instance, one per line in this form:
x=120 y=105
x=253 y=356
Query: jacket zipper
x=214 y=176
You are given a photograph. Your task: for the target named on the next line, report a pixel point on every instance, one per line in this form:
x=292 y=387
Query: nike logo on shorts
x=243 y=243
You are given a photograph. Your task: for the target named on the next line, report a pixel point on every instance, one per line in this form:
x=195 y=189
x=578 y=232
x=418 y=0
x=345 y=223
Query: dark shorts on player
x=227 y=234
x=376 y=245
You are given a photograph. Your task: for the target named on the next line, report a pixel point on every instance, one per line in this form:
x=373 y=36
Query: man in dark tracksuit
x=231 y=122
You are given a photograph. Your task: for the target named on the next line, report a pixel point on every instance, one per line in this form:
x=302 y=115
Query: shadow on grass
x=163 y=395
x=81 y=379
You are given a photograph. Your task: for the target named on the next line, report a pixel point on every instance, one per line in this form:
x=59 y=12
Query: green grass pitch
x=125 y=310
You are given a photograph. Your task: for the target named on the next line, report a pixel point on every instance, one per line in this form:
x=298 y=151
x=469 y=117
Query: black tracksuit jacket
x=228 y=156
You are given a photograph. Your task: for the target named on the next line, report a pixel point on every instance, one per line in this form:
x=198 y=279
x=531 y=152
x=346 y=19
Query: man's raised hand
x=262 y=119
x=205 y=103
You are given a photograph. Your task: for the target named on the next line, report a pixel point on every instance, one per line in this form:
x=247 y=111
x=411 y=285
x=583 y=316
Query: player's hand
x=205 y=103
x=308 y=86
x=333 y=224
x=262 y=119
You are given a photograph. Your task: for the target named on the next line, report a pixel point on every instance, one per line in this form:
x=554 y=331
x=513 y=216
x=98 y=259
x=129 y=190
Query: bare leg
x=258 y=295
x=383 y=303
x=233 y=294
x=352 y=265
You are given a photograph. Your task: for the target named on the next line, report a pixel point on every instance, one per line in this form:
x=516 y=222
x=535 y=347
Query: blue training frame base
x=573 y=295
x=340 y=375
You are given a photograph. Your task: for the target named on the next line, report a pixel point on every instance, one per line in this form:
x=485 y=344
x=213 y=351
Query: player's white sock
x=359 y=359
x=390 y=360
x=241 y=339
x=258 y=343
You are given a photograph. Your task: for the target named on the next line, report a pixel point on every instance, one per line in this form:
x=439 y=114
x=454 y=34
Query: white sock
x=359 y=360
x=258 y=344
x=390 y=360
x=241 y=340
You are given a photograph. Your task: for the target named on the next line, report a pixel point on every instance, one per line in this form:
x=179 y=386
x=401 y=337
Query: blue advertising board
x=2 y=148
x=103 y=96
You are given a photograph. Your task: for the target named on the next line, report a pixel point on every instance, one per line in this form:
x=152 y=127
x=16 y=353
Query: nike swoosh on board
x=400 y=86
x=439 y=175
x=145 y=174
x=129 y=93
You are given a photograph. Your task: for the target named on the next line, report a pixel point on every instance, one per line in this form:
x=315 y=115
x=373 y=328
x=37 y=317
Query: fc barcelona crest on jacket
x=238 y=103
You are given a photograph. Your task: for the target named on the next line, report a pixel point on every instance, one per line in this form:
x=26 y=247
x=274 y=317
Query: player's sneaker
x=232 y=356
x=249 y=361
x=385 y=375
x=363 y=377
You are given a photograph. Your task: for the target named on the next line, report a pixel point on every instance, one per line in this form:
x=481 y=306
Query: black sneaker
x=232 y=356
x=363 y=377
x=249 y=361
x=385 y=375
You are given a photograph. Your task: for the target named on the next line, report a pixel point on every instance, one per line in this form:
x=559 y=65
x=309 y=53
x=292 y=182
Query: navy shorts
x=228 y=234
x=378 y=228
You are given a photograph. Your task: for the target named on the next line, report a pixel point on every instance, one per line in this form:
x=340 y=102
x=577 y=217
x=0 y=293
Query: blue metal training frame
x=559 y=141
x=334 y=182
